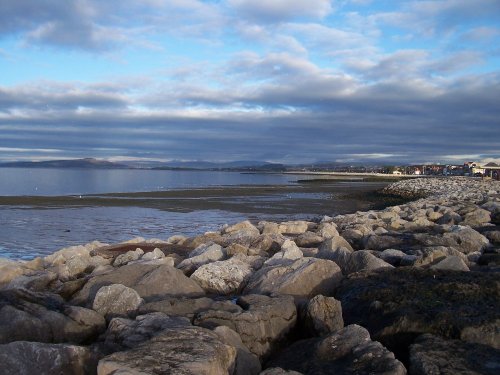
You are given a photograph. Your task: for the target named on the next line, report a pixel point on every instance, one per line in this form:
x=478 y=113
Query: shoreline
x=412 y=286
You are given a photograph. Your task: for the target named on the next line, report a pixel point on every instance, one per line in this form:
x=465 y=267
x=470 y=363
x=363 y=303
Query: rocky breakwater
x=410 y=289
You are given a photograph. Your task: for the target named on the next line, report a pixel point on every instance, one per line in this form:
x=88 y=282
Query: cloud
x=297 y=113
x=281 y=10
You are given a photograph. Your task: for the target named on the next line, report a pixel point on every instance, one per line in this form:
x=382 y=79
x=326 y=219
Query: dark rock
x=348 y=351
x=27 y=358
x=323 y=316
x=398 y=305
x=44 y=317
x=431 y=355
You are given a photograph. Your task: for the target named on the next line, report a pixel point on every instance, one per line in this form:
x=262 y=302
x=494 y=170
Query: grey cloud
x=322 y=117
x=281 y=10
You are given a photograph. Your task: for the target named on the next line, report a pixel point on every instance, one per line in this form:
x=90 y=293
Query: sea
x=31 y=230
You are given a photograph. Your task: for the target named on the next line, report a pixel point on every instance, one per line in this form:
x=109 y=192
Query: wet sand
x=320 y=197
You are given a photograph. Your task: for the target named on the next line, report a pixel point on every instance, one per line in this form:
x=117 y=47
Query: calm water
x=27 y=181
x=38 y=230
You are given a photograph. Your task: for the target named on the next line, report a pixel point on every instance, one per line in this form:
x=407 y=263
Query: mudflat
x=320 y=197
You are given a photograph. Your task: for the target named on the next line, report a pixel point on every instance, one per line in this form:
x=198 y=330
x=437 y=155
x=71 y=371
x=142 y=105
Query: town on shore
x=409 y=289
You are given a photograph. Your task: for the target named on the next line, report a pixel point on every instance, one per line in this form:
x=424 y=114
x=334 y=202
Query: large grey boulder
x=223 y=277
x=263 y=323
x=116 y=300
x=303 y=277
x=348 y=351
x=150 y=281
x=323 y=315
x=28 y=358
x=430 y=355
x=176 y=350
x=44 y=317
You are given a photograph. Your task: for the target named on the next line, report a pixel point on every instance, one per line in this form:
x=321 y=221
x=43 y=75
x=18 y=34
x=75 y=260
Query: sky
x=289 y=81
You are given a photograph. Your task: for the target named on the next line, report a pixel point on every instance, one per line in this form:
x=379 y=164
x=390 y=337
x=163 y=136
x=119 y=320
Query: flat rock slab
x=149 y=280
x=178 y=350
x=398 y=305
x=431 y=355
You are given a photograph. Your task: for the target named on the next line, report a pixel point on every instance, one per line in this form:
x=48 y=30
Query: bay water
x=28 y=230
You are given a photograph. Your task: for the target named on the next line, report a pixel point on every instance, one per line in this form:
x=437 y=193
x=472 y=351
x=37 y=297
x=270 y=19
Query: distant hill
x=233 y=165
x=87 y=163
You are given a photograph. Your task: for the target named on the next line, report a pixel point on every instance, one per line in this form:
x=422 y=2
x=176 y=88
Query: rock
x=203 y=254
x=72 y=268
x=124 y=333
x=223 y=277
x=262 y=325
x=188 y=307
x=363 y=260
x=150 y=281
x=309 y=239
x=27 y=358
x=246 y=362
x=129 y=256
x=331 y=244
x=304 y=277
x=477 y=218
x=327 y=230
x=323 y=316
x=341 y=257
x=431 y=355
x=116 y=300
x=450 y=218
x=399 y=304
x=493 y=236
x=236 y=248
x=464 y=239
x=451 y=263
x=269 y=243
x=44 y=317
x=267 y=227
x=392 y=256
x=279 y=371
x=293 y=227
x=241 y=232
x=348 y=351
x=177 y=350
x=9 y=270
x=37 y=281
x=435 y=254
x=289 y=252
x=155 y=254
